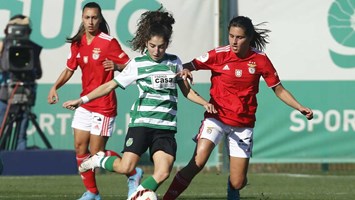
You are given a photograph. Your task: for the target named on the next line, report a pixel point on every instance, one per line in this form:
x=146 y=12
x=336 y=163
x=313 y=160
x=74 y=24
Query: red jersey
x=235 y=83
x=90 y=58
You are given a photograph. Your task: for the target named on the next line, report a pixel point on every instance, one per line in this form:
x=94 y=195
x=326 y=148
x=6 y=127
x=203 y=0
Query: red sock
x=178 y=185
x=113 y=153
x=87 y=177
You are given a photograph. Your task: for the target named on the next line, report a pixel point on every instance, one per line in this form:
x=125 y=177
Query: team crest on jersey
x=86 y=59
x=96 y=53
x=209 y=130
x=252 y=66
x=203 y=58
x=238 y=73
x=129 y=142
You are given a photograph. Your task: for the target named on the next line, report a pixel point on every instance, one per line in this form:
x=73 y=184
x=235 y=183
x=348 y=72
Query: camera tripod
x=9 y=135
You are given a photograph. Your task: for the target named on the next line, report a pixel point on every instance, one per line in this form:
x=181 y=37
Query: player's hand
x=308 y=113
x=53 y=97
x=72 y=104
x=186 y=74
x=210 y=108
x=109 y=65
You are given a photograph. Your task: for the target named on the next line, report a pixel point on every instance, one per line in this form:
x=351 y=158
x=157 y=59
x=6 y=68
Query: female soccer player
x=236 y=71
x=153 y=120
x=97 y=54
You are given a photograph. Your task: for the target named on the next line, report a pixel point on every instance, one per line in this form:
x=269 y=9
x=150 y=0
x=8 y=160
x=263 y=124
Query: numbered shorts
x=239 y=141
x=139 y=139
x=94 y=122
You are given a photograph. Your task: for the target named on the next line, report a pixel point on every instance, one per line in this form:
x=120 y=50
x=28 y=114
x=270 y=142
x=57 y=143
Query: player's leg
x=81 y=141
x=184 y=177
x=135 y=146
x=102 y=129
x=81 y=125
x=211 y=133
x=163 y=152
x=239 y=147
x=134 y=178
x=238 y=177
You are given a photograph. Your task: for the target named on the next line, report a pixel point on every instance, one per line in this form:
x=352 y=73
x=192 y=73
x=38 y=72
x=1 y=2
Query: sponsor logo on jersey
x=96 y=53
x=238 y=73
x=226 y=67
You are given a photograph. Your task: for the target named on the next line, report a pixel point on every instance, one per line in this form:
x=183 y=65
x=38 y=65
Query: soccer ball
x=145 y=194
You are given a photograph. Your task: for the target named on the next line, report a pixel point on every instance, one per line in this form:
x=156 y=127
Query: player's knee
x=238 y=183
x=161 y=176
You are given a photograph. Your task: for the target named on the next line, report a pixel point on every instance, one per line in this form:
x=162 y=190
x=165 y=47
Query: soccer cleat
x=232 y=194
x=90 y=196
x=134 y=181
x=92 y=162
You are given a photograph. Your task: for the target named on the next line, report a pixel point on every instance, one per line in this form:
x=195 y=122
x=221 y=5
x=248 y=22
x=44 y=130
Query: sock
x=87 y=177
x=107 y=163
x=178 y=185
x=113 y=153
x=232 y=194
x=150 y=183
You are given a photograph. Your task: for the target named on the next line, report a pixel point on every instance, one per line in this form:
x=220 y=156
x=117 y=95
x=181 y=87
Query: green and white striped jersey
x=156 y=106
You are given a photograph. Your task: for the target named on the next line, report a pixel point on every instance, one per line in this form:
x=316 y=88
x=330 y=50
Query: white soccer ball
x=145 y=194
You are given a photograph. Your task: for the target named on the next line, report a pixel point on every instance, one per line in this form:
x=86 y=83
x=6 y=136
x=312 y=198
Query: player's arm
x=62 y=79
x=193 y=96
x=288 y=99
x=185 y=73
x=100 y=91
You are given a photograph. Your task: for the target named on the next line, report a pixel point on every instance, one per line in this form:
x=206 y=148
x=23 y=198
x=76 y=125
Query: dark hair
x=259 y=36
x=150 y=24
x=103 y=26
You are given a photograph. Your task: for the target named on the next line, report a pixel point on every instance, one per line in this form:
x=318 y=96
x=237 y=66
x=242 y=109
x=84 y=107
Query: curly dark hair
x=150 y=24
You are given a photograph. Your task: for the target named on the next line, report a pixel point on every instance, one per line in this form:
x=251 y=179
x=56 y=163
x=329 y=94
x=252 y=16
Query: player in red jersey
x=236 y=70
x=97 y=54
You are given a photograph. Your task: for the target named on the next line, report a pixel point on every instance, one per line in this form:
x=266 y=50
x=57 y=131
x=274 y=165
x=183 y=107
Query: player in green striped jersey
x=153 y=115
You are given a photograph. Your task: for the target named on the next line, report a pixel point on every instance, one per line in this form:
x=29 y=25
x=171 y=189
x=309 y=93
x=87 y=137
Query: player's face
x=156 y=47
x=91 y=20
x=238 y=41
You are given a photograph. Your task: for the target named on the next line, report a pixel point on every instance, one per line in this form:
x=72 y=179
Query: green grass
x=207 y=186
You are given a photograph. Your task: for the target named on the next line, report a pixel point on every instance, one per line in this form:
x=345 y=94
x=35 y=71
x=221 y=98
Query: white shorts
x=239 y=141
x=94 y=122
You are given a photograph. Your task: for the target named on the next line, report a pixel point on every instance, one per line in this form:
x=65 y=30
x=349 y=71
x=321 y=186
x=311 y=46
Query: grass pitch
x=207 y=186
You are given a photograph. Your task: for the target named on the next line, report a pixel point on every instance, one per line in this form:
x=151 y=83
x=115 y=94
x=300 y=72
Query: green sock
x=107 y=163
x=150 y=183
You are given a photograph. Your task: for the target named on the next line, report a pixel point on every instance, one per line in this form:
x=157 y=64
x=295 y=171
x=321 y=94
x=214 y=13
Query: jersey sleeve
x=178 y=68
x=116 y=54
x=270 y=74
x=128 y=75
x=72 y=62
x=205 y=61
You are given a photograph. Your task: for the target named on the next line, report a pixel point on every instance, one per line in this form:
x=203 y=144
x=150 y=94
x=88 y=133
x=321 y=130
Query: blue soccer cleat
x=134 y=181
x=90 y=196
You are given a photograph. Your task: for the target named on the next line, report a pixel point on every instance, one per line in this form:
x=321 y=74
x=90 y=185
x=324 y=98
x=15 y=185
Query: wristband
x=85 y=99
